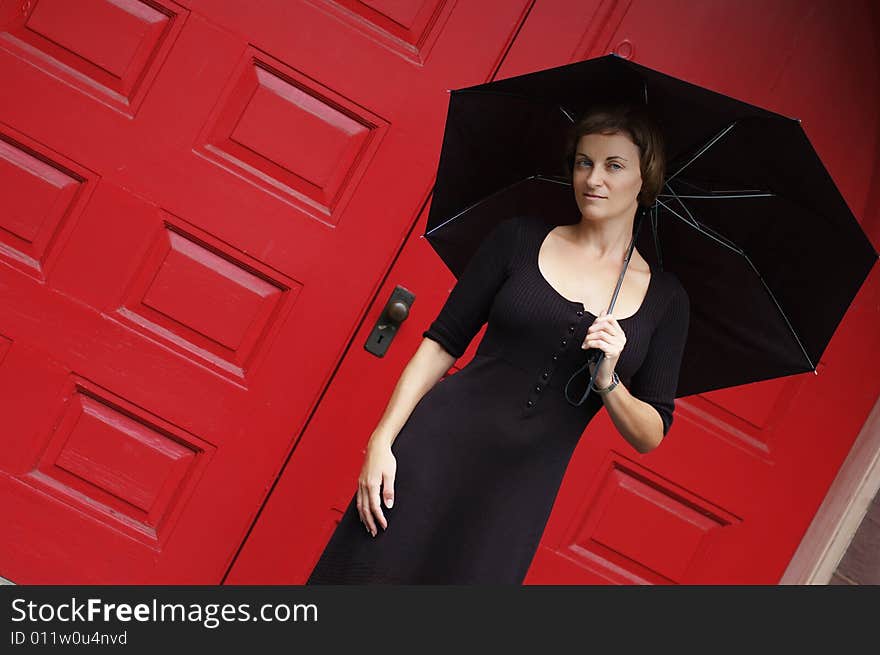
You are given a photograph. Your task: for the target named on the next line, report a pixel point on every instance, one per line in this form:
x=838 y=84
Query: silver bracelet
x=614 y=382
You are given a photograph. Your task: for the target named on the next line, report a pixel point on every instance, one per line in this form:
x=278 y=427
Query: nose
x=594 y=178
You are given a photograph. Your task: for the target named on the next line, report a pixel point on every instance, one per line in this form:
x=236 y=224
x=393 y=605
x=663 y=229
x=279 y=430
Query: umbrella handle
x=601 y=356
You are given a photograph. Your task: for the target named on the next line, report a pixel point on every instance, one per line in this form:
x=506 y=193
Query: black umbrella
x=749 y=219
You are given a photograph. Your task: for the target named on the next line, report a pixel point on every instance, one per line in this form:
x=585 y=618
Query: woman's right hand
x=379 y=468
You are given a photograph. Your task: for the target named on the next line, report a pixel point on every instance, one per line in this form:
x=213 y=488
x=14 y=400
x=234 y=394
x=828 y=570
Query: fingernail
x=389 y=502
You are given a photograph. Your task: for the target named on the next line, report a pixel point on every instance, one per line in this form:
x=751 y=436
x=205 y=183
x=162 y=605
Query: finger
x=600 y=332
x=598 y=343
x=606 y=331
x=368 y=515
x=610 y=322
x=376 y=506
x=388 y=489
x=362 y=508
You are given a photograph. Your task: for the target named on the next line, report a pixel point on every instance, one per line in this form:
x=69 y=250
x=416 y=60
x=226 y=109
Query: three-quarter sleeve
x=467 y=307
x=656 y=380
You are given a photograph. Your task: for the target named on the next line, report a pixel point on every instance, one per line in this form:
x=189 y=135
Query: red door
x=729 y=495
x=200 y=201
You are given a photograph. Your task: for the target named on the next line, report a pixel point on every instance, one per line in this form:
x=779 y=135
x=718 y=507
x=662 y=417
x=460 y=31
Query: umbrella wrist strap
x=597 y=358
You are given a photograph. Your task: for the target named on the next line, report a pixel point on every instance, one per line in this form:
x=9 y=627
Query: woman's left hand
x=606 y=335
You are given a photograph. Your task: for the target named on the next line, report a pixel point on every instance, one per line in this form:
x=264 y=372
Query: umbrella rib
x=655 y=235
x=720 y=193
x=729 y=244
x=568 y=115
x=536 y=176
x=701 y=228
x=782 y=312
x=549 y=178
x=692 y=184
x=702 y=150
x=705 y=228
x=715 y=192
x=737 y=194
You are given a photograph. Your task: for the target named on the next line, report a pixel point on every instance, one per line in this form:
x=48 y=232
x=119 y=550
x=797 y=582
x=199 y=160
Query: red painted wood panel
x=201 y=199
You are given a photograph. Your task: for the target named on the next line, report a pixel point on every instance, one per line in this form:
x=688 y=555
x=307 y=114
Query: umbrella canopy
x=749 y=219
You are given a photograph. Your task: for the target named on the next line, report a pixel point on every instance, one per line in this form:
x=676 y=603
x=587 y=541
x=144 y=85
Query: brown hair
x=641 y=128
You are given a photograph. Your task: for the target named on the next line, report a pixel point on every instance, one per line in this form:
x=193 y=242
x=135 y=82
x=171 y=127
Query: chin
x=590 y=213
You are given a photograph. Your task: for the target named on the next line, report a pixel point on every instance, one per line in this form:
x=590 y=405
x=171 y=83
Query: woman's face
x=607 y=166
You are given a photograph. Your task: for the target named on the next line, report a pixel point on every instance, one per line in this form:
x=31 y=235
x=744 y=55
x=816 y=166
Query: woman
x=460 y=475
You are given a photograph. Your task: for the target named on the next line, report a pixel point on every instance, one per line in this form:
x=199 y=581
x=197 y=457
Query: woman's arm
x=423 y=371
x=643 y=413
x=637 y=421
x=463 y=314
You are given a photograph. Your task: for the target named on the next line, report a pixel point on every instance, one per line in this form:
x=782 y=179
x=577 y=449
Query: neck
x=607 y=240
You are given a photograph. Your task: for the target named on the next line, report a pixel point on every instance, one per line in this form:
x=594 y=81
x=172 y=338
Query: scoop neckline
x=549 y=228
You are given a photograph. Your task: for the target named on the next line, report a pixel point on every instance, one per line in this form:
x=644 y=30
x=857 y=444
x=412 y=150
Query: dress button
x=530 y=403
x=545 y=375
x=564 y=342
x=580 y=313
x=555 y=357
x=538 y=388
x=571 y=328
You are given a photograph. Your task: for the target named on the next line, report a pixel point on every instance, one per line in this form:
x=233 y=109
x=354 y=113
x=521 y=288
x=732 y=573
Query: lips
x=587 y=195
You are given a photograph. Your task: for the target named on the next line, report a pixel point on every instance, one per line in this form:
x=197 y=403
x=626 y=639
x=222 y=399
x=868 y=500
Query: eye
x=582 y=161
x=616 y=164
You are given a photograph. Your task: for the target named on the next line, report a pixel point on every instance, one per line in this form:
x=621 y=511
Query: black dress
x=483 y=453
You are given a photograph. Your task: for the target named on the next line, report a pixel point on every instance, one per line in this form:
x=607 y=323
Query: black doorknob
x=398 y=311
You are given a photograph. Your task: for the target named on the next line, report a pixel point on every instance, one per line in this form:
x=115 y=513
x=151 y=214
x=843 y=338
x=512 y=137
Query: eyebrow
x=610 y=157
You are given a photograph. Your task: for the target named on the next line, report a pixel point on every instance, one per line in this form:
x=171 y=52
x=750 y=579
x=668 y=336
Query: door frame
x=841 y=512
